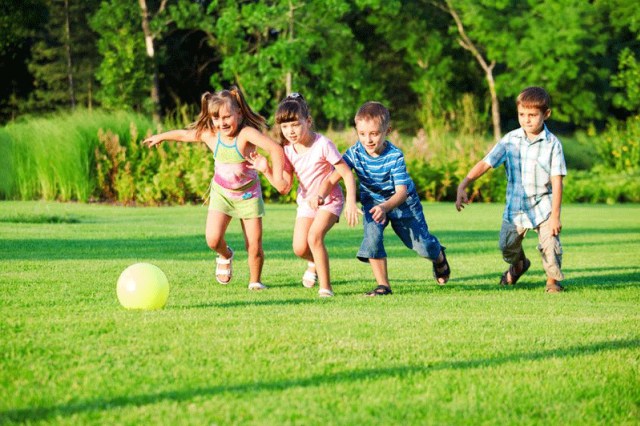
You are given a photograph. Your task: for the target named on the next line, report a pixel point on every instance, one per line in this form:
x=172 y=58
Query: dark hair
x=534 y=97
x=292 y=108
x=374 y=111
x=234 y=100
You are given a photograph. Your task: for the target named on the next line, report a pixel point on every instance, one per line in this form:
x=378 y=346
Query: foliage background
x=87 y=80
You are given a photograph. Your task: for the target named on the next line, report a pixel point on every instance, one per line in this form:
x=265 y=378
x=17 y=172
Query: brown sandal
x=526 y=263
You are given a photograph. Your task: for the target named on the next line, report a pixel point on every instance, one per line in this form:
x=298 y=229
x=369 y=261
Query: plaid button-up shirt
x=530 y=166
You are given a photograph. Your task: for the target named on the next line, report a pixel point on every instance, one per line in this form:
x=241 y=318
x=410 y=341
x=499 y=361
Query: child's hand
x=351 y=212
x=461 y=198
x=258 y=162
x=379 y=214
x=555 y=225
x=314 y=201
x=152 y=141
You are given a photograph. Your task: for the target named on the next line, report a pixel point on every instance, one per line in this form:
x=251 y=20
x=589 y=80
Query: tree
x=483 y=60
x=124 y=71
x=19 y=23
x=149 y=38
x=266 y=46
x=64 y=57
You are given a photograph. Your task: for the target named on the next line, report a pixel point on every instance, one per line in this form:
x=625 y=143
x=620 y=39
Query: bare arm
x=260 y=163
x=343 y=171
x=556 y=202
x=276 y=153
x=476 y=171
x=179 y=135
x=379 y=212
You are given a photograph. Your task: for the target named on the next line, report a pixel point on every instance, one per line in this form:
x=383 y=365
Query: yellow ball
x=143 y=286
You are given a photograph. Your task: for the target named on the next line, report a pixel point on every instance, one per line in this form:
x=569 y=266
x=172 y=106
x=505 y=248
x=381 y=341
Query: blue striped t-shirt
x=378 y=177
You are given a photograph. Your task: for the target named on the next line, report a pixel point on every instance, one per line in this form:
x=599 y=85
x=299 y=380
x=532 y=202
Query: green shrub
x=594 y=187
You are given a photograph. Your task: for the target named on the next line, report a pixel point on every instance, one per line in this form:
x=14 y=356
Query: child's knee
x=299 y=249
x=213 y=241
x=315 y=240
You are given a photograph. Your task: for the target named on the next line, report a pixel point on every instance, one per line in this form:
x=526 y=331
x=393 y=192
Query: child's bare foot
x=553 y=286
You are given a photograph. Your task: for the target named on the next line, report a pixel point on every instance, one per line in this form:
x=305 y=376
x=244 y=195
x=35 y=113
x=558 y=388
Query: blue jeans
x=413 y=231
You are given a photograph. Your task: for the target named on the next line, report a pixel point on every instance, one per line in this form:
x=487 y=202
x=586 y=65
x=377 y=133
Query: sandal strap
x=380 y=290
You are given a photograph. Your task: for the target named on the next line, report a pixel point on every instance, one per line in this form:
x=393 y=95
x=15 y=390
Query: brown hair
x=534 y=97
x=374 y=111
x=292 y=108
x=233 y=98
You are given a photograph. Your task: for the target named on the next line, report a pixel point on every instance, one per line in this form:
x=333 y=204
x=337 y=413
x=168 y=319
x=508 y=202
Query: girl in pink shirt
x=312 y=158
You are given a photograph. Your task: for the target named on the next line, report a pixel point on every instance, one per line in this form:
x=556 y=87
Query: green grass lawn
x=467 y=353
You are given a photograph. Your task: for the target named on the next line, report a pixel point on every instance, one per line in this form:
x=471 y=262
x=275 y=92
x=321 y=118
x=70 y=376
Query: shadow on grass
x=96 y=405
x=244 y=304
x=604 y=278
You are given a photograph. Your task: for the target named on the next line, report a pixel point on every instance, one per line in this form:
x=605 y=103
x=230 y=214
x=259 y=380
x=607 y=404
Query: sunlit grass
x=467 y=353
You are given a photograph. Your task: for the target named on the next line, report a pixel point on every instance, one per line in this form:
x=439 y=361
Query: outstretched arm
x=478 y=170
x=179 y=135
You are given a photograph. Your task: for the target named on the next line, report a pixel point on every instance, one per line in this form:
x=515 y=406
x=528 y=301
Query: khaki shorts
x=549 y=246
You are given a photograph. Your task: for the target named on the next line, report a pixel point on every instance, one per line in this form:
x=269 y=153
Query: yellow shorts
x=244 y=204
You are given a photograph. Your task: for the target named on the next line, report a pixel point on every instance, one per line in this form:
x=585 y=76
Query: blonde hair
x=534 y=97
x=374 y=111
x=234 y=100
x=292 y=108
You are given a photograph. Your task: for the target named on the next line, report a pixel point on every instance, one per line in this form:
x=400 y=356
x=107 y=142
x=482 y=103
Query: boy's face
x=372 y=136
x=532 y=119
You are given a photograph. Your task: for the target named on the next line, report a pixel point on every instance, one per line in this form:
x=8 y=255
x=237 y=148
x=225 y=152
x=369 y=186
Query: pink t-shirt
x=313 y=166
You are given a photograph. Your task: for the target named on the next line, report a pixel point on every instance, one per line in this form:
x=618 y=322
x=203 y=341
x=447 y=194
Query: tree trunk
x=148 y=39
x=289 y=76
x=467 y=44
x=67 y=43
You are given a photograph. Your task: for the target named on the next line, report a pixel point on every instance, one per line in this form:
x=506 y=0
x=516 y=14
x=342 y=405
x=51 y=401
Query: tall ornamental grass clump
x=52 y=157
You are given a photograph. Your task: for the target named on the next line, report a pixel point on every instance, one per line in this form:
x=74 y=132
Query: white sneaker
x=257 y=286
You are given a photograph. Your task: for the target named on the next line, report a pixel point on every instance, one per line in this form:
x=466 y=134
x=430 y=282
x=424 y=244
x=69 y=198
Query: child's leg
x=551 y=251
x=315 y=239
x=217 y=223
x=300 y=238
x=414 y=233
x=379 y=268
x=511 y=237
x=372 y=251
x=252 y=229
x=301 y=249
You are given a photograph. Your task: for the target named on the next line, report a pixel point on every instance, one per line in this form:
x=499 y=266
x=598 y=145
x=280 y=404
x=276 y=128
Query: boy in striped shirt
x=535 y=166
x=388 y=195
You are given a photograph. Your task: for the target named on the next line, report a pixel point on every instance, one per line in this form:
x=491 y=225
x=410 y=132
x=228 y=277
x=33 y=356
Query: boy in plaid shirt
x=535 y=167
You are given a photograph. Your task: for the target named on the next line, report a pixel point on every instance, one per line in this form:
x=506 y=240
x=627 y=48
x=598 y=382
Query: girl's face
x=228 y=120
x=296 y=131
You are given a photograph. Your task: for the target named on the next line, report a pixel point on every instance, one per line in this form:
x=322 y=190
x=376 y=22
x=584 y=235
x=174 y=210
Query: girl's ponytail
x=204 y=121
x=250 y=118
